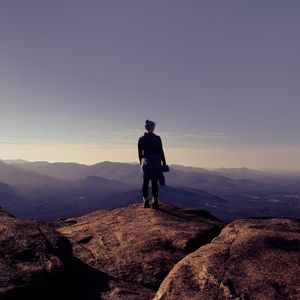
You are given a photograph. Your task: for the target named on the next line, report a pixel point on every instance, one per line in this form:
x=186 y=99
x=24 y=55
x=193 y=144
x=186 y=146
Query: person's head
x=149 y=126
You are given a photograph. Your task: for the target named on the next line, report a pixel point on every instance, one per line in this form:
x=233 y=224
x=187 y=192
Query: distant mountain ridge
x=220 y=181
x=16 y=175
x=52 y=190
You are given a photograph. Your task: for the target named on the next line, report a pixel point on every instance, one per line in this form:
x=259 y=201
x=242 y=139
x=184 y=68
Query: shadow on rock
x=85 y=282
x=78 y=282
x=276 y=242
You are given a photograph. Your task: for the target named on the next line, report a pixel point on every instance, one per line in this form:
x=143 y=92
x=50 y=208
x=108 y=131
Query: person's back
x=150 y=144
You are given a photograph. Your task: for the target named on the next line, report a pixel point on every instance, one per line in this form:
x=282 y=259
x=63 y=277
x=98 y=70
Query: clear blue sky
x=221 y=78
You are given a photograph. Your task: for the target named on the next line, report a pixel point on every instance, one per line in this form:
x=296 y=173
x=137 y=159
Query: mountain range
x=53 y=190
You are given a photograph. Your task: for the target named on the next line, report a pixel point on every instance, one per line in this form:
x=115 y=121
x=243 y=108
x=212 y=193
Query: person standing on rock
x=153 y=162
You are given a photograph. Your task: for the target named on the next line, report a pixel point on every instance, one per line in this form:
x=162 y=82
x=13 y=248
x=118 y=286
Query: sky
x=220 y=78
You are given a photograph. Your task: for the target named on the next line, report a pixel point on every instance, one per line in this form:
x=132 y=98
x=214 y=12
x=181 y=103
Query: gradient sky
x=221 y=78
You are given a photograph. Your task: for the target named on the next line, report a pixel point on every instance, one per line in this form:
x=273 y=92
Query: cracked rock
x=250 y=259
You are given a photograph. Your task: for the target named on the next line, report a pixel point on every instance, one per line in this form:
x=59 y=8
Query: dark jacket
x=150 y=144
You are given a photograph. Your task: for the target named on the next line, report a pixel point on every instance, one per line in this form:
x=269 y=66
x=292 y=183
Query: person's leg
x=145 y=191
x=155 y=193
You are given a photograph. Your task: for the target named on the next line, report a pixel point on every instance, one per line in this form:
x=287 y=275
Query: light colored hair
x=149 y=125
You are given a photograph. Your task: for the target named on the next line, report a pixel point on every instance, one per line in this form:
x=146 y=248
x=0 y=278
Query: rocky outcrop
x=250 y=259
x=136 y=253
x=135 y=248
x=32 y=258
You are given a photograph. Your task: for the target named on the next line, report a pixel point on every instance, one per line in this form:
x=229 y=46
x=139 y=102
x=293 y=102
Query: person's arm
x=140 y=150
x=162 y=154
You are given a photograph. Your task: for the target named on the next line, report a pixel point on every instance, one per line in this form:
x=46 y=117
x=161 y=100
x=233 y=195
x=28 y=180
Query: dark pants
x=154 y=187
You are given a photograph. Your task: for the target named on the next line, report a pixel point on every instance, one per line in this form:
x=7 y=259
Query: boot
x=146 y=203
x=155 y=204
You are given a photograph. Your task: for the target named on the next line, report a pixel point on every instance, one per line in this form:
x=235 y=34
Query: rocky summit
x=134 y=253
x=32 y=257
x=250 y=259
x=135 y=248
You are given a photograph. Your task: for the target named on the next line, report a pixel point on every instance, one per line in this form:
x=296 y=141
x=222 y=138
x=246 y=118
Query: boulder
x=136 y=247
x=32 y=257
x=250 y=259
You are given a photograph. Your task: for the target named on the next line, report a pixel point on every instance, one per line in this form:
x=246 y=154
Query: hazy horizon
x=78 y=79
x=272 y=170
